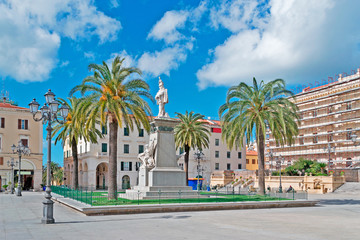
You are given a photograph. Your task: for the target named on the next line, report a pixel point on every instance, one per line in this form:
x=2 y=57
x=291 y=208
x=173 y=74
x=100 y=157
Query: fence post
x=91 y=203
x=293 y=194
x=159 y=195
x=138 y=193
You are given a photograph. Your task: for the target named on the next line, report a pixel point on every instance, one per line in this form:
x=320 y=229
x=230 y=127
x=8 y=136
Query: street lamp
x=329 y=149
x=49 y=113
x=198 y=155
x=12 y=164
x=278 y=162
x=271 y=155
x=20 y=149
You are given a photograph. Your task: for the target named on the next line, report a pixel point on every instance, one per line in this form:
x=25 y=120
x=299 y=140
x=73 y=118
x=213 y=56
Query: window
x=103 y=130
x=216 y=130
x=104 y=147
x=217 y=142
x=239 y=166
x=1 y=160
x=348 y=133
x=228 y=166
x=67 y=153
x=217 y=154
x=126 y=166
x=141 y=132
x=141 y=148
x=315 y=138
x=348 y=106
x=126 y=148
x=217 y=166
x=2 y=123
x=23 y=124
x=329 y=110
x=239 y=155
x=301 y=115
x=181 y=150
x=301 y=140
x=137 y=166
x=25 y=142
x=253 y=161
x=314 y=113
x=126 y=131
x=228 y=154
x=348 y=162
x=330 y=136
x=247 y=161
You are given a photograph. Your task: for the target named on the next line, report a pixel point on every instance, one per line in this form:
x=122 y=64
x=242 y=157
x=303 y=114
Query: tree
x=56 y=173
x=254 y=109
x=118 y=100
x=73 y=130
x=191 y=133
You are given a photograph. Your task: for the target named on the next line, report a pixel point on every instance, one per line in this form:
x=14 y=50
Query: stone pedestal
x=165 y=179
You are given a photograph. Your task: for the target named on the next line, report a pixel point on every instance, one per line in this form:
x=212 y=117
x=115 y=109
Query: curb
x=185 y=207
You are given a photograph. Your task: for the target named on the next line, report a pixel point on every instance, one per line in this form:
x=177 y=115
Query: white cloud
x=64 y=64
x=167 y=27
x=298 y=39
x=128 y=62
x=89 y=55
x=161 y=62
x=31 y=32
x=114 y=3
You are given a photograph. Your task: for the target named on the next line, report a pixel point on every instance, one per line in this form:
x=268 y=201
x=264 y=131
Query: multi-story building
x=16 y=125
x=93 y=158
x=330 y=115
x=252 y=162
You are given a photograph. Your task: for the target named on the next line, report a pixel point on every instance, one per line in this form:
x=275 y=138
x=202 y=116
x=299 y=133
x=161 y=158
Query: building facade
x=93 y=159
x=329 y=116
x=252 y=160
x=16 y=125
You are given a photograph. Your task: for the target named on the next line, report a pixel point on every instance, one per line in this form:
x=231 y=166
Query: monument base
x=168 y=192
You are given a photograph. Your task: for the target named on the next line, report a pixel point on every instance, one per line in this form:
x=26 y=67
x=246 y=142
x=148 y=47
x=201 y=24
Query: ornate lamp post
x=329 y=149
x=20 y=149
x=271 y=155
x=49 y=114
x=12 y=164
x=198 y=156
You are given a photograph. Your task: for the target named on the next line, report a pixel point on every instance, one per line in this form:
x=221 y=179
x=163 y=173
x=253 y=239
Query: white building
x=93 y=159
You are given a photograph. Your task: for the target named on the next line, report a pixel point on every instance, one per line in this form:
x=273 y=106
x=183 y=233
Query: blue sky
x=199 y=48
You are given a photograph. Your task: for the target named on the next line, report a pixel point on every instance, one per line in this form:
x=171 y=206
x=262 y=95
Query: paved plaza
x=336 y=218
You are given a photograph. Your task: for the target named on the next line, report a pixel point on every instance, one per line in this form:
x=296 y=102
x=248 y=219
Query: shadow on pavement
x=339 y=202
x=114 y=220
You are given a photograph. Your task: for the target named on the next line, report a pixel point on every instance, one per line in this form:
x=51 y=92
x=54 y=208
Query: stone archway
x=80 y=175
x=102 y=176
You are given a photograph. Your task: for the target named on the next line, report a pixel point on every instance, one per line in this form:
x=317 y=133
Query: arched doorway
x=85 y=176
x=102 y=176
x=80 y=175
x=125 y=182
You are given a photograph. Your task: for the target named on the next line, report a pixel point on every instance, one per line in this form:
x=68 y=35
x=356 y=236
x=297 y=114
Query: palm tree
x=253 y=109
x=191 y=133
x=56 y=174
x=118 y=100
x=73 y=130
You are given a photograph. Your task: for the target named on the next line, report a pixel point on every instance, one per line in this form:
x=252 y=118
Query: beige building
x=17 y=125
x=329 y=114
x=93 y=159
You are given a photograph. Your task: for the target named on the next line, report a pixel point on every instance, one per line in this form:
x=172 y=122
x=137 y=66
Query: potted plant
x=5 y=187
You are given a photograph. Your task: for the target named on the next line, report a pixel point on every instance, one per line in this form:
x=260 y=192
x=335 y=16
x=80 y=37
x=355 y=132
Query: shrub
x=236 y=180
x=5 y=186
x=342 y=173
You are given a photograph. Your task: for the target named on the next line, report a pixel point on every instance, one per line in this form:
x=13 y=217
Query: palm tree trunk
x=76 y=163
x=186 y=163
x=261 y=156
x=113 y=131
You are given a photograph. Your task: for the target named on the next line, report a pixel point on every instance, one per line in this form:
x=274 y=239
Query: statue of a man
x=161 y=99
x=147 y=157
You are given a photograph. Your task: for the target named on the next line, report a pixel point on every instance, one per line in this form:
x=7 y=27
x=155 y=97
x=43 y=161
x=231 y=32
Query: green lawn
x=99 y=198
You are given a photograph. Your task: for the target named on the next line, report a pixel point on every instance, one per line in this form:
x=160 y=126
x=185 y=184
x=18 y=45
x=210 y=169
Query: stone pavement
x=337 y=218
